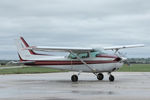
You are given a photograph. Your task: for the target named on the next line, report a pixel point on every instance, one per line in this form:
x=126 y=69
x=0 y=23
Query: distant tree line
x=139 y=60
x=4 y=62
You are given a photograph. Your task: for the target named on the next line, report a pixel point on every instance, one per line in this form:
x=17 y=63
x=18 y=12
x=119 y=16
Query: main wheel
x=74 y=78
x=100 y=76
x=111 y=78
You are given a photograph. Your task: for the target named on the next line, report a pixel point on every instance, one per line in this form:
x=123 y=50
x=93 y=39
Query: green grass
x=135 y=68
x=28 y=70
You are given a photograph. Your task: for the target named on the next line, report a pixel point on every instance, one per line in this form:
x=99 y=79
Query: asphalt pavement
x=58 y=86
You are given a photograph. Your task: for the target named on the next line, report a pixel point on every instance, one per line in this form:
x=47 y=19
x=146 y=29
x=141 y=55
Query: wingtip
x=142 y=45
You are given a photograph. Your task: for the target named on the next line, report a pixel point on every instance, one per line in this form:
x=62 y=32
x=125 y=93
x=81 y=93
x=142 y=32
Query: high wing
x=78 y=49
x=62 y=49
x=123 y=47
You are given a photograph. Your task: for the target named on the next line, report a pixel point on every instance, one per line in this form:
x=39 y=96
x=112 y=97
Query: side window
x=93 y=54
x=72 y=56
x=96 y=53
x=83 y=55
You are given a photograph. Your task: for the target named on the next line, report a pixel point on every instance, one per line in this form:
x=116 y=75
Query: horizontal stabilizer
x=12 y=67
x=24 y=62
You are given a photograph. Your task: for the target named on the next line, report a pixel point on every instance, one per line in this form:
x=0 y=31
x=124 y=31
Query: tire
x=74 y=78
x=111 y=78
x=100 y=76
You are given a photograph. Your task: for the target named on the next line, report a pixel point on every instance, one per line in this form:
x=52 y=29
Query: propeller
x=123 y=57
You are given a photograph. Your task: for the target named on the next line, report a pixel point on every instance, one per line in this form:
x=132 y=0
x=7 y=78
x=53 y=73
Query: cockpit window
x=93 y=54
x=81 y=55
x=96 y=52
x=72 y=56
x=86 y=55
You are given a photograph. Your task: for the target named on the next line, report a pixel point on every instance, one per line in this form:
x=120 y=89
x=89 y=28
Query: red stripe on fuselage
x=70 y=62
x=106 y=56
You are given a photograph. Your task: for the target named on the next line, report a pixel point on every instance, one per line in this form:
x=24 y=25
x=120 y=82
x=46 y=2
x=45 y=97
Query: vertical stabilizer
x=23 y=54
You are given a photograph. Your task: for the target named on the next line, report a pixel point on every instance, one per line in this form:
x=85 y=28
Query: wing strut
x=92 y=69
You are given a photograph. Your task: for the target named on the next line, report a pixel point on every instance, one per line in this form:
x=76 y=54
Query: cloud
x=75 y=23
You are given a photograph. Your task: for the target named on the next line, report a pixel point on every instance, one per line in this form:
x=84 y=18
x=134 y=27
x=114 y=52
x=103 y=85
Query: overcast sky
x=85 y=23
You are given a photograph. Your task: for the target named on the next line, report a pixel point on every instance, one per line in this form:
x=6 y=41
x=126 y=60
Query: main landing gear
x=100 y=76
x=74 y=78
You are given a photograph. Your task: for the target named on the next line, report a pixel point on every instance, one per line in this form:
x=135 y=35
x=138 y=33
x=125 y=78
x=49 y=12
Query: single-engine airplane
x=79 y=59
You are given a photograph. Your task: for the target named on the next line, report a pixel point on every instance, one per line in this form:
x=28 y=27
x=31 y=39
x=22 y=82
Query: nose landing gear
x=111 y=78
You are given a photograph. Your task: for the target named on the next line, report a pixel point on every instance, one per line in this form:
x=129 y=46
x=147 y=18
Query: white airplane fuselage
x=100 y=64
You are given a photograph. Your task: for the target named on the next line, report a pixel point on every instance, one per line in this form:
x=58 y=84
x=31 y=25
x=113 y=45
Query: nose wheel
x=74 y=78
x=111 y=78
